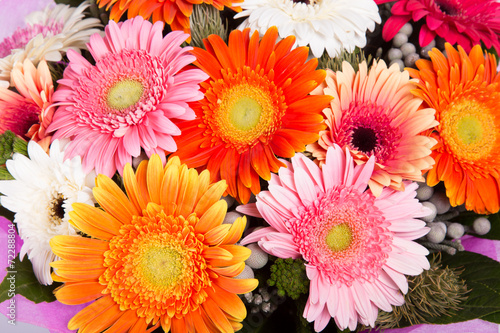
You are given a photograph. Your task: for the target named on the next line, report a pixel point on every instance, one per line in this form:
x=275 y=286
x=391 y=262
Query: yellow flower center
x=124 y=94
x=469 y=129
x=161 y=266
x=244 y=113
x=243 y=108
x=339 y=237
x=156 y=266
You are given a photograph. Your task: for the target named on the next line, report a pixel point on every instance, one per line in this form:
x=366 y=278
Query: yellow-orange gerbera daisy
x=465 y=91
x=175 y=13
x=256 y=105
x=160 y=256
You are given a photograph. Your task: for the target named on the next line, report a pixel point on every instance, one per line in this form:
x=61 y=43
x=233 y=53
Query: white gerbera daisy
x=331 y=25
x=41 y=195
x=47 y=34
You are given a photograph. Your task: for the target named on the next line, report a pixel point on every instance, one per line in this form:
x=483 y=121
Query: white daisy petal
x=331 y=25
x=41 y=196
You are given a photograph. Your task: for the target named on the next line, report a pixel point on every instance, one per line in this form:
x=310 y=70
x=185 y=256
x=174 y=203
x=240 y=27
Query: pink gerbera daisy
x=29 y=112
x=128 y=99
x=462 y=22
x=374 y=113
x=358 y=248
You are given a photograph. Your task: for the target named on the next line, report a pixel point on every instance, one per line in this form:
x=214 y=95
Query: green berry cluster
x=289 y=276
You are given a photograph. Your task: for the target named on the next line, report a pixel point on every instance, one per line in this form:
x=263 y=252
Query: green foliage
x=289 y=276
x=335 y=64
x=436 y=292
x=10 y=144
x=206 y=21
x=480 y=275
x=26 y=284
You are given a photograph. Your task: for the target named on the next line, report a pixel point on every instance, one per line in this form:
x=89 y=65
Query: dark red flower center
x=365 y=139
x=450 y=8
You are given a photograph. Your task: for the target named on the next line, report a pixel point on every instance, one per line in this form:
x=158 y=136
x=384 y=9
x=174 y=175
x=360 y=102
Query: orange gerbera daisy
x=160 y=256
x=256 y=105
x=465 y=91
x=175 y=13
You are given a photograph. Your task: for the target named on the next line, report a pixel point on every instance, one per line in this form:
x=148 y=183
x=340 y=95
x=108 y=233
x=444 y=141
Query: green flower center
x=339 y=237
x=245 y=113
x=124 y=94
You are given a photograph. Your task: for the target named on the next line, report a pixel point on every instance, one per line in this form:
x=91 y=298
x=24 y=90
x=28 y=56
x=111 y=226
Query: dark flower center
x=307 y=2
x=364 y=139
x=56 y=209
x=448 y=7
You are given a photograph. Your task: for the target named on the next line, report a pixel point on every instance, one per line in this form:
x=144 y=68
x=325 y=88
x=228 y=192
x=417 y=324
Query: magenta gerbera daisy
x=462 y=22
x=357 y=247
x=128 y=99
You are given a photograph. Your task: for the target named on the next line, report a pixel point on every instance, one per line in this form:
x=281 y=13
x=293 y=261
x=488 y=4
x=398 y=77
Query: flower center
x=156 y=266
x=367 y=128
x=124 y=94
x=243 y=108
x=161 y=266
x=245 y=113
x=469 y=129
x=22 y=36
x=365 y=139
x=450 y=8
x=56 y=209
x=119 y=90
x=343 y=234
x=339 y=237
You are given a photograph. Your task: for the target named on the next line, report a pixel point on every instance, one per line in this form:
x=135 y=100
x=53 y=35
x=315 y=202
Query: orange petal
x=77 y=248
x=95 y=220
x=216 y=235
x=210 y=197
x=72 y=293
x=154 y=178
x=228 y=302
x=217 y=316
x=237 y=286
x=213 y=217
x=237 y=228
x=91 y=312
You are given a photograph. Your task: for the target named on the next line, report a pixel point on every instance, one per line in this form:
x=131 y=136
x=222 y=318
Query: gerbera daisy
x=357 y=248
x=160 y=256
x=465 y=91
x=463 y=22
x=331 y=25
x=175 y=13
x=47 y=35
x=29 y=112
x=256 y=105
x=127 y=100
x=374 y=113
x=41 y=195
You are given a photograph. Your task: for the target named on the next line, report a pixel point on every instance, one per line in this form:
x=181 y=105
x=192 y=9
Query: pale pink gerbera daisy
x=462 y=22
x=29 y=112
x=374 y=113
x=128 y=99
x=47 y=35
x=357 y=248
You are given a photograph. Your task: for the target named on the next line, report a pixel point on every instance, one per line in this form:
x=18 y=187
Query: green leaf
x=26 y=284
x=5 y=174
x=482 y=277
x=6 y=142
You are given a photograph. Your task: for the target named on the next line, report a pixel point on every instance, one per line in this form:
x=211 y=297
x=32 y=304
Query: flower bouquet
x=251 y=165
